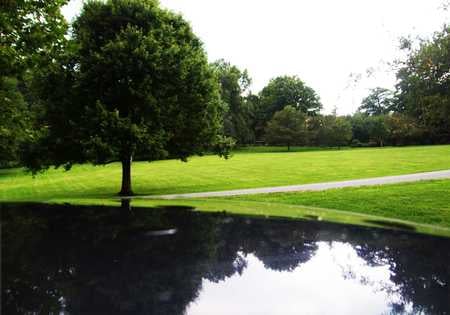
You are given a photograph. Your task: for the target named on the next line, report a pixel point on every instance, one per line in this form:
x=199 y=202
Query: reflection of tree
x=101 y=263
x=279 y=244
x=418 y=264
x=99 y=260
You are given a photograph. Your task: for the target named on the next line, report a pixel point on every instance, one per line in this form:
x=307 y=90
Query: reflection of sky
x=334 y=281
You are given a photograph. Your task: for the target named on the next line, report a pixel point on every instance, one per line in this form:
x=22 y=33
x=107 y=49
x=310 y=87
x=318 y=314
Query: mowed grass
x=425 y=202
x=210 y=173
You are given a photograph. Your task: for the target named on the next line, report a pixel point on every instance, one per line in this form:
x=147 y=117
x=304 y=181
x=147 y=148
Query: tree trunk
x=126 y=177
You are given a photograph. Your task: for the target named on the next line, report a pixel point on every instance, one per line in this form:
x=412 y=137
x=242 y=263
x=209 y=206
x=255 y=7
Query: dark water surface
x=100 y=260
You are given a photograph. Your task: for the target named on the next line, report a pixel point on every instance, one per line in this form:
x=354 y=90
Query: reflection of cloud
x=334 y=281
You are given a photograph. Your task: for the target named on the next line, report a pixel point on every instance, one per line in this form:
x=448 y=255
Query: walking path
x=311 y=187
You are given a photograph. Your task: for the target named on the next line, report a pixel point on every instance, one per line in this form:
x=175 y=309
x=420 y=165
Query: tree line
x=287 y=112
x=130 y=80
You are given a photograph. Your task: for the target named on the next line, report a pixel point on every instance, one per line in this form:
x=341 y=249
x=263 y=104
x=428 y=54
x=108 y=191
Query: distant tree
x=251 y=105
x=135 y=81
x=287 y=127
x=334 y=131
x=360 y=127
x=379 y=101
x=377 y=128
x=288 y=90
x=424 y=86
x=342 y=132
x=403 y=130
x=234 y=84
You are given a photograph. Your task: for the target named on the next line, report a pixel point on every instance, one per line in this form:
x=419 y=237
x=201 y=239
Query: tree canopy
x=288 y=90
x=135 y=81
x=15 y=121
x=287 y=127
x=424 y=86
x=334 y=131
x=29 y=30
x=234 y=83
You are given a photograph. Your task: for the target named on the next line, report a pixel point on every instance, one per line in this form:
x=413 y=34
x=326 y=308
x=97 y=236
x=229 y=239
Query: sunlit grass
x=421 y=202
x=210 y=173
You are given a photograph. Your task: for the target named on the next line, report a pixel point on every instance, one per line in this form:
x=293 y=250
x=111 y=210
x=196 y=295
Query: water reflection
x=98 y=260
x=263 y=291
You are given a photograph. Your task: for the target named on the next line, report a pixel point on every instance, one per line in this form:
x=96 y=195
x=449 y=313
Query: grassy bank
x=210 y=173
x=421 y=202
x=274 y=209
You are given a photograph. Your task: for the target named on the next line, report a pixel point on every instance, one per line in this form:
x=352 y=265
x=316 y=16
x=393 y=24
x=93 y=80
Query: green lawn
x=421 y=202
x=210 y=173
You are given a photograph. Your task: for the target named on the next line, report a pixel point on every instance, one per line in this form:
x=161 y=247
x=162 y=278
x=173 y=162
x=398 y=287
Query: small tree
x=286 y=127
x=135 y=81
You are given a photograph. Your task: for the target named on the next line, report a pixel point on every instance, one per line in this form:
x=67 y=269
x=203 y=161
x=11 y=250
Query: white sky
x=321 y=41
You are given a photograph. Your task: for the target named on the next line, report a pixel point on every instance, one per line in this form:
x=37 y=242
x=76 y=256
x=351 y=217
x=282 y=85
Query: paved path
x=311 y=187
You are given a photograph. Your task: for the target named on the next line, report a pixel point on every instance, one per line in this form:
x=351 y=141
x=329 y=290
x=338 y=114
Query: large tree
x=135 y=82
x=424 y=86
x=288 y=90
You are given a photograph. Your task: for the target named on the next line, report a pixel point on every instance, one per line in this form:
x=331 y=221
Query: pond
x=173 y=260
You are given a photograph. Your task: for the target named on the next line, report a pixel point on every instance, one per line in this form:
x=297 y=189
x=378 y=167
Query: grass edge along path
x=425 y=202
x=377 y=181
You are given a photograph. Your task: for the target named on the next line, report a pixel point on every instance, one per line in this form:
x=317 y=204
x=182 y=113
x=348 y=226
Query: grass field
x=210 y=173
